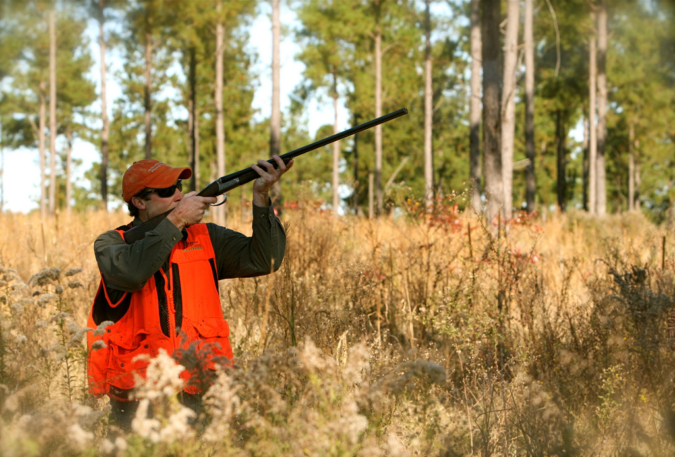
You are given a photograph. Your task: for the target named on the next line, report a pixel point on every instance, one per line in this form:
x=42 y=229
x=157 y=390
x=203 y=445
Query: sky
x=21 y=167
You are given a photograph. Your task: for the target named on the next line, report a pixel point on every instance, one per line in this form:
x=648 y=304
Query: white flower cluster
x=45 y=277
x=68 y=426
x=223 y=404
x=100 y=330
x=171 y=420
x=162 y=377
x=406 y=374
x=46 y=299
x=175 y=427
x=311 y=358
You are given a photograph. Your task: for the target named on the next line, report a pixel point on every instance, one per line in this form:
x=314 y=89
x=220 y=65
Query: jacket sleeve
x=128 y=267
x=240 y=256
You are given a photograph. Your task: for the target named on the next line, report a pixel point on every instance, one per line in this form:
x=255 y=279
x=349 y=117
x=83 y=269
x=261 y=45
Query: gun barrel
x=239 y=178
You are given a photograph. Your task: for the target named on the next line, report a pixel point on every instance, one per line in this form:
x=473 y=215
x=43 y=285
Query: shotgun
x=226 y=183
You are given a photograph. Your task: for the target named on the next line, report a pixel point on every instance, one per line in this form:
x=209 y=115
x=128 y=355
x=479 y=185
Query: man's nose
x=178 y=196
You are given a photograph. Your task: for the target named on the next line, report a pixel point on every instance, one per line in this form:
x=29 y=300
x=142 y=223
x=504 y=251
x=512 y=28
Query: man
x=161 y=292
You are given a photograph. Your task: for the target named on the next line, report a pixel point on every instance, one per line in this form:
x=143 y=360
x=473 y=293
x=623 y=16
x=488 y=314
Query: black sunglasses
x=163 y=193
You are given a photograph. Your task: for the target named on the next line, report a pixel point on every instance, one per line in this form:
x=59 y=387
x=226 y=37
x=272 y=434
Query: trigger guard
x=218 y=204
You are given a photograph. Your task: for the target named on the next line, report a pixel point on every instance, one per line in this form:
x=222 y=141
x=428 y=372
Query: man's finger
x=208 y=199
x=289 y=165
x=190 y=194
x=268 y=166
x=280 y=163
x=258 y=169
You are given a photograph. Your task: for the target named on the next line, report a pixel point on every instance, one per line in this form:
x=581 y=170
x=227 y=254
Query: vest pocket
x=213 y=336
x=212 y=327
x=123 y=350
x=128 y=339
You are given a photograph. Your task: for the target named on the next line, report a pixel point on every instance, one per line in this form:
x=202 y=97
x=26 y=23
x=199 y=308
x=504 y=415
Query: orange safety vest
x=185 y=296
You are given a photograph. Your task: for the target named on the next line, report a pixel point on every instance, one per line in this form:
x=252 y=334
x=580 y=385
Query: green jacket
x=126 y=268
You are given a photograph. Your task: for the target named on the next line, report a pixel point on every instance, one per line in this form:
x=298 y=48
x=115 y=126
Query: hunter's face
x=156 y=205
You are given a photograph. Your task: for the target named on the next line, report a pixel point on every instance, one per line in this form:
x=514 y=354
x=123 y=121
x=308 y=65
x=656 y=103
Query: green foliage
x=75 y=92
x=336 y=39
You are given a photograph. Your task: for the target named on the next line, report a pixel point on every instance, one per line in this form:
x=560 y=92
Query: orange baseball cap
x=150 y=173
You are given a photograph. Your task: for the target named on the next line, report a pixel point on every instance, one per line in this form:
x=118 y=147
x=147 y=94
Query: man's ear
x=138 y=203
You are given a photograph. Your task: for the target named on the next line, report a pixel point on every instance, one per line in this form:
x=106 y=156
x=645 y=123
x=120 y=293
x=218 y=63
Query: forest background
x=168 y=103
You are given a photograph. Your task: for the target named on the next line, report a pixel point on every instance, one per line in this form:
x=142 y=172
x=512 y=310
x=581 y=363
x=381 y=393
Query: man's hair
x=143 y=195
x=133 y=211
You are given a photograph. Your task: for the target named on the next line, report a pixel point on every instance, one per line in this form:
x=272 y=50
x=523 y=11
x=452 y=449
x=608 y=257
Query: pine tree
x=275 y=117
x=146 y=40
x=323 y=53
x=593 y=146
x=219 y=211
x=105 y=128
x=475 y=107
x=492 y=158
x=528 y=38
x=509 y=103
x=71 y=90
x=52 y=109
x=428 y=112
x=600 y=165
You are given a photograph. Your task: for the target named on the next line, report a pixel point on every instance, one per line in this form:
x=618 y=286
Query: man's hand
x=268 y=176
x=190 y=210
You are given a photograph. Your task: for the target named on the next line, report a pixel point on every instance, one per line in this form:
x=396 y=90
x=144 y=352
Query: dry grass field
x=421 y=336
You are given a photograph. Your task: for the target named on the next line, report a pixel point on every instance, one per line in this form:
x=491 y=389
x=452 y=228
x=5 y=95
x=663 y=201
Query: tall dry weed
x=430 y=334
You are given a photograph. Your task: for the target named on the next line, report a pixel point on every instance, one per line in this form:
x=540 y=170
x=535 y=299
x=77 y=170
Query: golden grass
x=376 y=337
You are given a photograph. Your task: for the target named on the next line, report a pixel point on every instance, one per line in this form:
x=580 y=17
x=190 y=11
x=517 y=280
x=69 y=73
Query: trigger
x=218 y=204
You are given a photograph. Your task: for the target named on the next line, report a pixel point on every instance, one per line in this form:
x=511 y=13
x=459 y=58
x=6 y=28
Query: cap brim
x=169 y=177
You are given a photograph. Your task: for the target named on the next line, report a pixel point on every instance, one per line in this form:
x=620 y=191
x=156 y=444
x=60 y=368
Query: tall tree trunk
x=2 y=170
x=2 y=178
x=195 y=168
x=637 y=176
x=52 y=112
x=475 y=107
x=602 y=110
x=104 y=111
x=355 y=153
x=191 y=146
x=593 y=129
x=585 y=165
x=336 y=150
x=41 y=150
x=530 y=178
x=631 y=166
x=192 y=81
x=356 y=169
x=69 y=168
x=275 y=118
x=220 y=212
x=371 y=210
x=492 y=158
x=560 y=137
x=509 y=103
x=378 y=112
x=148 y=95
x=428 y=114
